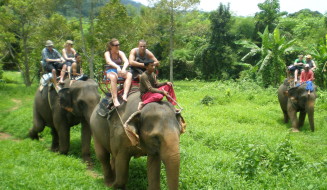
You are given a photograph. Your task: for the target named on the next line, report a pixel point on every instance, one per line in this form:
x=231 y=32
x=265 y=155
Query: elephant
x=70 y=106
x=153 y=132
x=297 y=99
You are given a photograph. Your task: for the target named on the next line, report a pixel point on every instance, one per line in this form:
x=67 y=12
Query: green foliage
x=272 y=64
x=207 y=100
x=231 y=144
x=268 y=17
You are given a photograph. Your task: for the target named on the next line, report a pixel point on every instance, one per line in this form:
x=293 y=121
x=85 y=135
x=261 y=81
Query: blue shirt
x=47 y=54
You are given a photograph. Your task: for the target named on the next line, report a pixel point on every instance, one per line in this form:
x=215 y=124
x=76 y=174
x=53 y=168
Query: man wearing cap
x=312 y=64
x=53 y=61
x=306 y=74
x=137 y=58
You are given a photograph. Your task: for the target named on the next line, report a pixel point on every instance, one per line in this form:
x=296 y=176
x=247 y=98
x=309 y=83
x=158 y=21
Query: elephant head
x=156 y=128
x=301 y=100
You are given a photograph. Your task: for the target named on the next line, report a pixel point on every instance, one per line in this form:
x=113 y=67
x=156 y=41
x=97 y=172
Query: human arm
x=146 y=85
x=151 y=56
x=110 y=62
x=125 y=60
x=132 y=59
x=314 y=67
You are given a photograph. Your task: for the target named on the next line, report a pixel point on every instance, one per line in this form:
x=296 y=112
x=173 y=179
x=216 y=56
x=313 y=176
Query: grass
x=235 y=139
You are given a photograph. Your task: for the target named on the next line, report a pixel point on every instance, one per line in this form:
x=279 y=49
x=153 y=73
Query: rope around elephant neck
x=119 y=116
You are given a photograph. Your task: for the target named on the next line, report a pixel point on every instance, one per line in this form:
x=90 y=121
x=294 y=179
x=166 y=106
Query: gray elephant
x=153 y=132
x=297 y=99
x=60 y=111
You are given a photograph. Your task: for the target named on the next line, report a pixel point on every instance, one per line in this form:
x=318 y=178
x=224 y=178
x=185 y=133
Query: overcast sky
x=249 y=7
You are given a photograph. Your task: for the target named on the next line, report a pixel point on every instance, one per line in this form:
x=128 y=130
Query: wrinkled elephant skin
x=295 y=100
x=60 y=111
x=158 y=129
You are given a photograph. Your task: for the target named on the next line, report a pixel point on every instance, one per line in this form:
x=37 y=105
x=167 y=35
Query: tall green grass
x=235 y=139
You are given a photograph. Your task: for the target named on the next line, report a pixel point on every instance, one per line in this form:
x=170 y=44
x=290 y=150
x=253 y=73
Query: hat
x=306 y=65
x=69 y=42
x=48 y=43
x=308 y=57
x=147 y=62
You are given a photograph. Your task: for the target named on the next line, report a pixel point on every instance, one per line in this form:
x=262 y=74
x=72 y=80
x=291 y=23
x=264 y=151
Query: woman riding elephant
x=155 y=130
x=60 y=111
x=296 y=99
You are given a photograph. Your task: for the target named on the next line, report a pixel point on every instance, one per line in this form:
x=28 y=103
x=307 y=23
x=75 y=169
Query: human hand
x=165 y=93
x=170 y=84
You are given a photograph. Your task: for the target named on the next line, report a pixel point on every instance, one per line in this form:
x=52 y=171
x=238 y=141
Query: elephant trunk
x=170 y=156
x=310 y=111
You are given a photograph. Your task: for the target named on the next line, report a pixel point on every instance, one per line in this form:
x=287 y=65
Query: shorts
x=53 y=65
x=112 y=70
x=69 y=63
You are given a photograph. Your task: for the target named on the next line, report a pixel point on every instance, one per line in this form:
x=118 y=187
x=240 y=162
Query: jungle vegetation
x=190 y=44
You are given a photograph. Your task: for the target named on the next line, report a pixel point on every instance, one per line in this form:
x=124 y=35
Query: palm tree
x=272 y=63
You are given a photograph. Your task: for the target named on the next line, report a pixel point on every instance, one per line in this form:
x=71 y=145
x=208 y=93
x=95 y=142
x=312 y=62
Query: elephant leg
x=104 y=157
x=153 y=170
x=86 y=141
x=55 y=140
x=38 y=127
x=302 y=118
x=64 y=137
x=286 y=118
x=121 y=169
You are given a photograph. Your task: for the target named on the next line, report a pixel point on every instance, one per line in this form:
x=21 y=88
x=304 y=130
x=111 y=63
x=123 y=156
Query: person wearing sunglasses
x=137 y=58
x=117 y=64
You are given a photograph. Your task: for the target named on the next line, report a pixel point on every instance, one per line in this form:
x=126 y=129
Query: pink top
x=307 y=76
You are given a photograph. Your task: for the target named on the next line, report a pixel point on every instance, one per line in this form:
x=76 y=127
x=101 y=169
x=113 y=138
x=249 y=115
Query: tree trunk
x=26 y=73
x=171 y=44
x=92 y=41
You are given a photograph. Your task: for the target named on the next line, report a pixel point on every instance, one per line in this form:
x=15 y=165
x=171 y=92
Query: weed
x=207 y=100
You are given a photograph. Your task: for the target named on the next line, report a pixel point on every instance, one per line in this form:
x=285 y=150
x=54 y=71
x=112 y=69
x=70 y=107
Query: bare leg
x=68 y=70
x=74 y=69
x=295 y=76
x=113 y=83
x=54 y=80
x=127 y=85
x=62 y=73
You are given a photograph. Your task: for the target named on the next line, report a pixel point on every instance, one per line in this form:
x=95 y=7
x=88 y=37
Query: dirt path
x=6 y=136
x=18 y=104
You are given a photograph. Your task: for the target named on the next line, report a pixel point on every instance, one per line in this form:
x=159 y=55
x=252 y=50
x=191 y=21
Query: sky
x=249 y=7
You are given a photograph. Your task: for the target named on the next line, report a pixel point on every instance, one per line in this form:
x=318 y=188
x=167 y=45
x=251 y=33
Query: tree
x=171 y=6
x=20 y=20
x=272 y=65
x=268 y=16
x=216 y=60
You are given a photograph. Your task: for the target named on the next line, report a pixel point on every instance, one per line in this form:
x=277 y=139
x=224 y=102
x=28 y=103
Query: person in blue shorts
x=117 y=63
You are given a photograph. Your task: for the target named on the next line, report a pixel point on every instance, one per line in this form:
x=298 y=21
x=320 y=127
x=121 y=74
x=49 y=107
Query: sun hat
x=48 y=43
x=69 y=42
x=308 y=57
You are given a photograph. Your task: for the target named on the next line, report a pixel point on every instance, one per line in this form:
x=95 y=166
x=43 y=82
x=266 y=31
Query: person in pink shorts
x=153 y=91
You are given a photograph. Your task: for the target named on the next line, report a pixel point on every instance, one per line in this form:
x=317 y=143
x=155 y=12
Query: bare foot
x=116 y=103
x=125 y=97
x=141 y=105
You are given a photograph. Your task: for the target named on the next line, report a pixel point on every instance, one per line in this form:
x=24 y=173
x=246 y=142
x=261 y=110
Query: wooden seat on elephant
x=104 y=82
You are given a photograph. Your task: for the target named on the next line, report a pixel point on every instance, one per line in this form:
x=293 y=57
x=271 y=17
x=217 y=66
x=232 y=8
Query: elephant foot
x=109 y=182
x=295 y=130
x=33 y=136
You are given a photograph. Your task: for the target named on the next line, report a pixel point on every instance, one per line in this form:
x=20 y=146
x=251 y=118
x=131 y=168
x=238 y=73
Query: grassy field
x=235 y=139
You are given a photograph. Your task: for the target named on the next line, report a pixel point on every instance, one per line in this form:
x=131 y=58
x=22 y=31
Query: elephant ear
x=131 y=129
x=65 y=99
x=181 y=122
